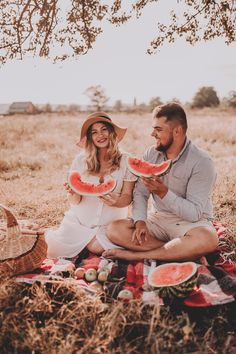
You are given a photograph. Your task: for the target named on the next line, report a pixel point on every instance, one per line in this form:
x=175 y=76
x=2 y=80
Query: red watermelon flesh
x=174 y=279
x=146 y=169
x=90 y=189
x=172 y=273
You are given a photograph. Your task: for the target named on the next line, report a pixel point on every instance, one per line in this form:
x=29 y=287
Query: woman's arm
x=120 y=200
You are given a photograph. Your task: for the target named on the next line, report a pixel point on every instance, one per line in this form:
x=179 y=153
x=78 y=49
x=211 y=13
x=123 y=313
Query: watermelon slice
x=146 y=169
x=174 y=279
x=89 y=189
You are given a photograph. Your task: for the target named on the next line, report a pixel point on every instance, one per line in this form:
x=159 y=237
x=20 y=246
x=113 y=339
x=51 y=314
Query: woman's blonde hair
x=113 y=152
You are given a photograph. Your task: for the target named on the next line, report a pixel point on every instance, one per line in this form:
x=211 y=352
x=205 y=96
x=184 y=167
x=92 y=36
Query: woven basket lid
x=13 y=243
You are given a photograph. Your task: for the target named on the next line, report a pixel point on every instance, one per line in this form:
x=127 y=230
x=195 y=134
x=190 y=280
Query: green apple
x=125 y=294
x=95 y=285
x=91 y=274
x=103 y=275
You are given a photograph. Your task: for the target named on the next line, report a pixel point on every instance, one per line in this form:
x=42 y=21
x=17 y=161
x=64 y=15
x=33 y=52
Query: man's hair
x=173 y=112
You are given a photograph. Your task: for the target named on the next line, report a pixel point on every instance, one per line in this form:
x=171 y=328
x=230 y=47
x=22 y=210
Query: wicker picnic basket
x=20 y=251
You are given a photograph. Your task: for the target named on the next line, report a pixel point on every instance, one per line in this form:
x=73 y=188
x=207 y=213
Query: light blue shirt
x=190 y=183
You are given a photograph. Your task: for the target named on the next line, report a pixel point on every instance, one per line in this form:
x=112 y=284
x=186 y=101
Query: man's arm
x=198 y=192
x=140 y=202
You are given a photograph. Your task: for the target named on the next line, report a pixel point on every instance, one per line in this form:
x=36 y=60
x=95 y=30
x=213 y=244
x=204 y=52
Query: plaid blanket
x=216 y=283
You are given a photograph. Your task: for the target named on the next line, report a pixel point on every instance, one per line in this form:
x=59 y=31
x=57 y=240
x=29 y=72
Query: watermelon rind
x=135 y=171
x=80 y=191
x=178 y=289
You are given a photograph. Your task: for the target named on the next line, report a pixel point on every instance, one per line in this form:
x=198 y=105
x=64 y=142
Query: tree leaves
x=60 y=29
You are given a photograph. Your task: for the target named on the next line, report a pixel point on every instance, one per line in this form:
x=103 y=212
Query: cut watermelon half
x=174 y=279
x=89 y=189
x=146 y=169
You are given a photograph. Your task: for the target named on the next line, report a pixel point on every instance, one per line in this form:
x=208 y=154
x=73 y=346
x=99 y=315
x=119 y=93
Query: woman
x=85 y=224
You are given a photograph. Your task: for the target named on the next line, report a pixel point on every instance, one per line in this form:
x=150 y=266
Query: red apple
x=79 y=273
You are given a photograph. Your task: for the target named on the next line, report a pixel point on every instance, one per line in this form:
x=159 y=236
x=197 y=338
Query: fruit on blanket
x=146 y=169
x=95 y=285
x=103 y=275
x=89 y=189
x=174 y=279
x=90 y=274
x=125 y=294
x=79 y=273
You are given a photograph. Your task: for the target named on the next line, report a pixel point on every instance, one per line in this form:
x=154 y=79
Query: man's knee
x=116 y=230
x=211 y=239
x=207 y=238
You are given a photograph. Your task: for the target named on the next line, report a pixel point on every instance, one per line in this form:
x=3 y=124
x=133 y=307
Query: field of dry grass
x=35 y=154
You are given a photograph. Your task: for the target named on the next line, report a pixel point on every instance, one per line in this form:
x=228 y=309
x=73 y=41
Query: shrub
x=205 y=97
x=231 y=99
x=155 y=101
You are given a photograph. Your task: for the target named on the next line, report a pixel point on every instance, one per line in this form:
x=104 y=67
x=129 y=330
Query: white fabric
x=89 y=218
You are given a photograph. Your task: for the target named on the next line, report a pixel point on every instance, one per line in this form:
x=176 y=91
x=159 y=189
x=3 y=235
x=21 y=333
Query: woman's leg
x=95 y=247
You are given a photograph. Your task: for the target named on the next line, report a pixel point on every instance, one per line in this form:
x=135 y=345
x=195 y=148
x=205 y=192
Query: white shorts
x=167 y=226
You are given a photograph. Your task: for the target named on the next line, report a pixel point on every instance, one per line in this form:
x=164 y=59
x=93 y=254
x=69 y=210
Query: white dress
x=89 y=218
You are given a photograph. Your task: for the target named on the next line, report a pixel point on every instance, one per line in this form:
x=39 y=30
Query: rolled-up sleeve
x=199 y=190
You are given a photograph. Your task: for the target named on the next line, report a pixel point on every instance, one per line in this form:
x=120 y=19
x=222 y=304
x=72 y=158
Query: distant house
x=4 y=109
x=23 y=107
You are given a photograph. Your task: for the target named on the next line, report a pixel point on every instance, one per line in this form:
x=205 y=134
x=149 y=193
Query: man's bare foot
x=122 y=254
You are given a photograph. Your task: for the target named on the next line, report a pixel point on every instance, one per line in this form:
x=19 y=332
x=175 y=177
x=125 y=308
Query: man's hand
x=155 y=185
x=140 y=234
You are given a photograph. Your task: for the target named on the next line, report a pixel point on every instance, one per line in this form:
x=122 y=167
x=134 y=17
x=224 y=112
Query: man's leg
x=195 y=243
x=120 y=232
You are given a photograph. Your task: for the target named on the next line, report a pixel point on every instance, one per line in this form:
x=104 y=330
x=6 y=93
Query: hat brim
x=120 y=131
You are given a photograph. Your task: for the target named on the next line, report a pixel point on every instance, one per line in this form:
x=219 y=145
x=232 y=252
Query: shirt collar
x=185 y=147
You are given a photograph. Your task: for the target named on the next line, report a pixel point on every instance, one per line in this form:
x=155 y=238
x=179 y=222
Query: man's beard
x=165 y=147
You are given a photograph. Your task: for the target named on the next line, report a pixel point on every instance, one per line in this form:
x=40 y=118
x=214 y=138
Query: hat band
x=104 y=117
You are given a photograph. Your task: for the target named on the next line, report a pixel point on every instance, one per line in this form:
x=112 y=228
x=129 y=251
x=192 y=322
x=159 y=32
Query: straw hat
x=20 y=252
x=99 y=117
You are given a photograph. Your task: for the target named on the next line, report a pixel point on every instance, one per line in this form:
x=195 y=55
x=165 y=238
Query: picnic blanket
x=216 y=283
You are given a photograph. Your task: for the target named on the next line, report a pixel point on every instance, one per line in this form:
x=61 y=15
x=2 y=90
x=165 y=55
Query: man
x=179 y=227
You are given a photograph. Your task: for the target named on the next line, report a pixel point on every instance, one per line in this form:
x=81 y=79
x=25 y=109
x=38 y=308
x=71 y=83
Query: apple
x=79 y=273
x=103 y=275
x=90 y=274
x=95 y=285
x=125 y=294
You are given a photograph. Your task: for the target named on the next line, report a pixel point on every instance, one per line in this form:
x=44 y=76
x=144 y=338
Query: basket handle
x=11 y=220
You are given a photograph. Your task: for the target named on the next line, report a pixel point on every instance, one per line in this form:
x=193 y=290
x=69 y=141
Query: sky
x=119 y=63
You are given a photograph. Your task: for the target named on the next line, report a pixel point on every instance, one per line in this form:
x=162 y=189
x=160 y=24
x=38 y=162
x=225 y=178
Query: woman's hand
x=140 y=234
x=110 y=199
x=73 y=197
x=69 y=190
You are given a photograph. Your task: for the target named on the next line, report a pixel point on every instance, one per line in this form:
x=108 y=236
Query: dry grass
x=35 y=154
x=63 y=319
